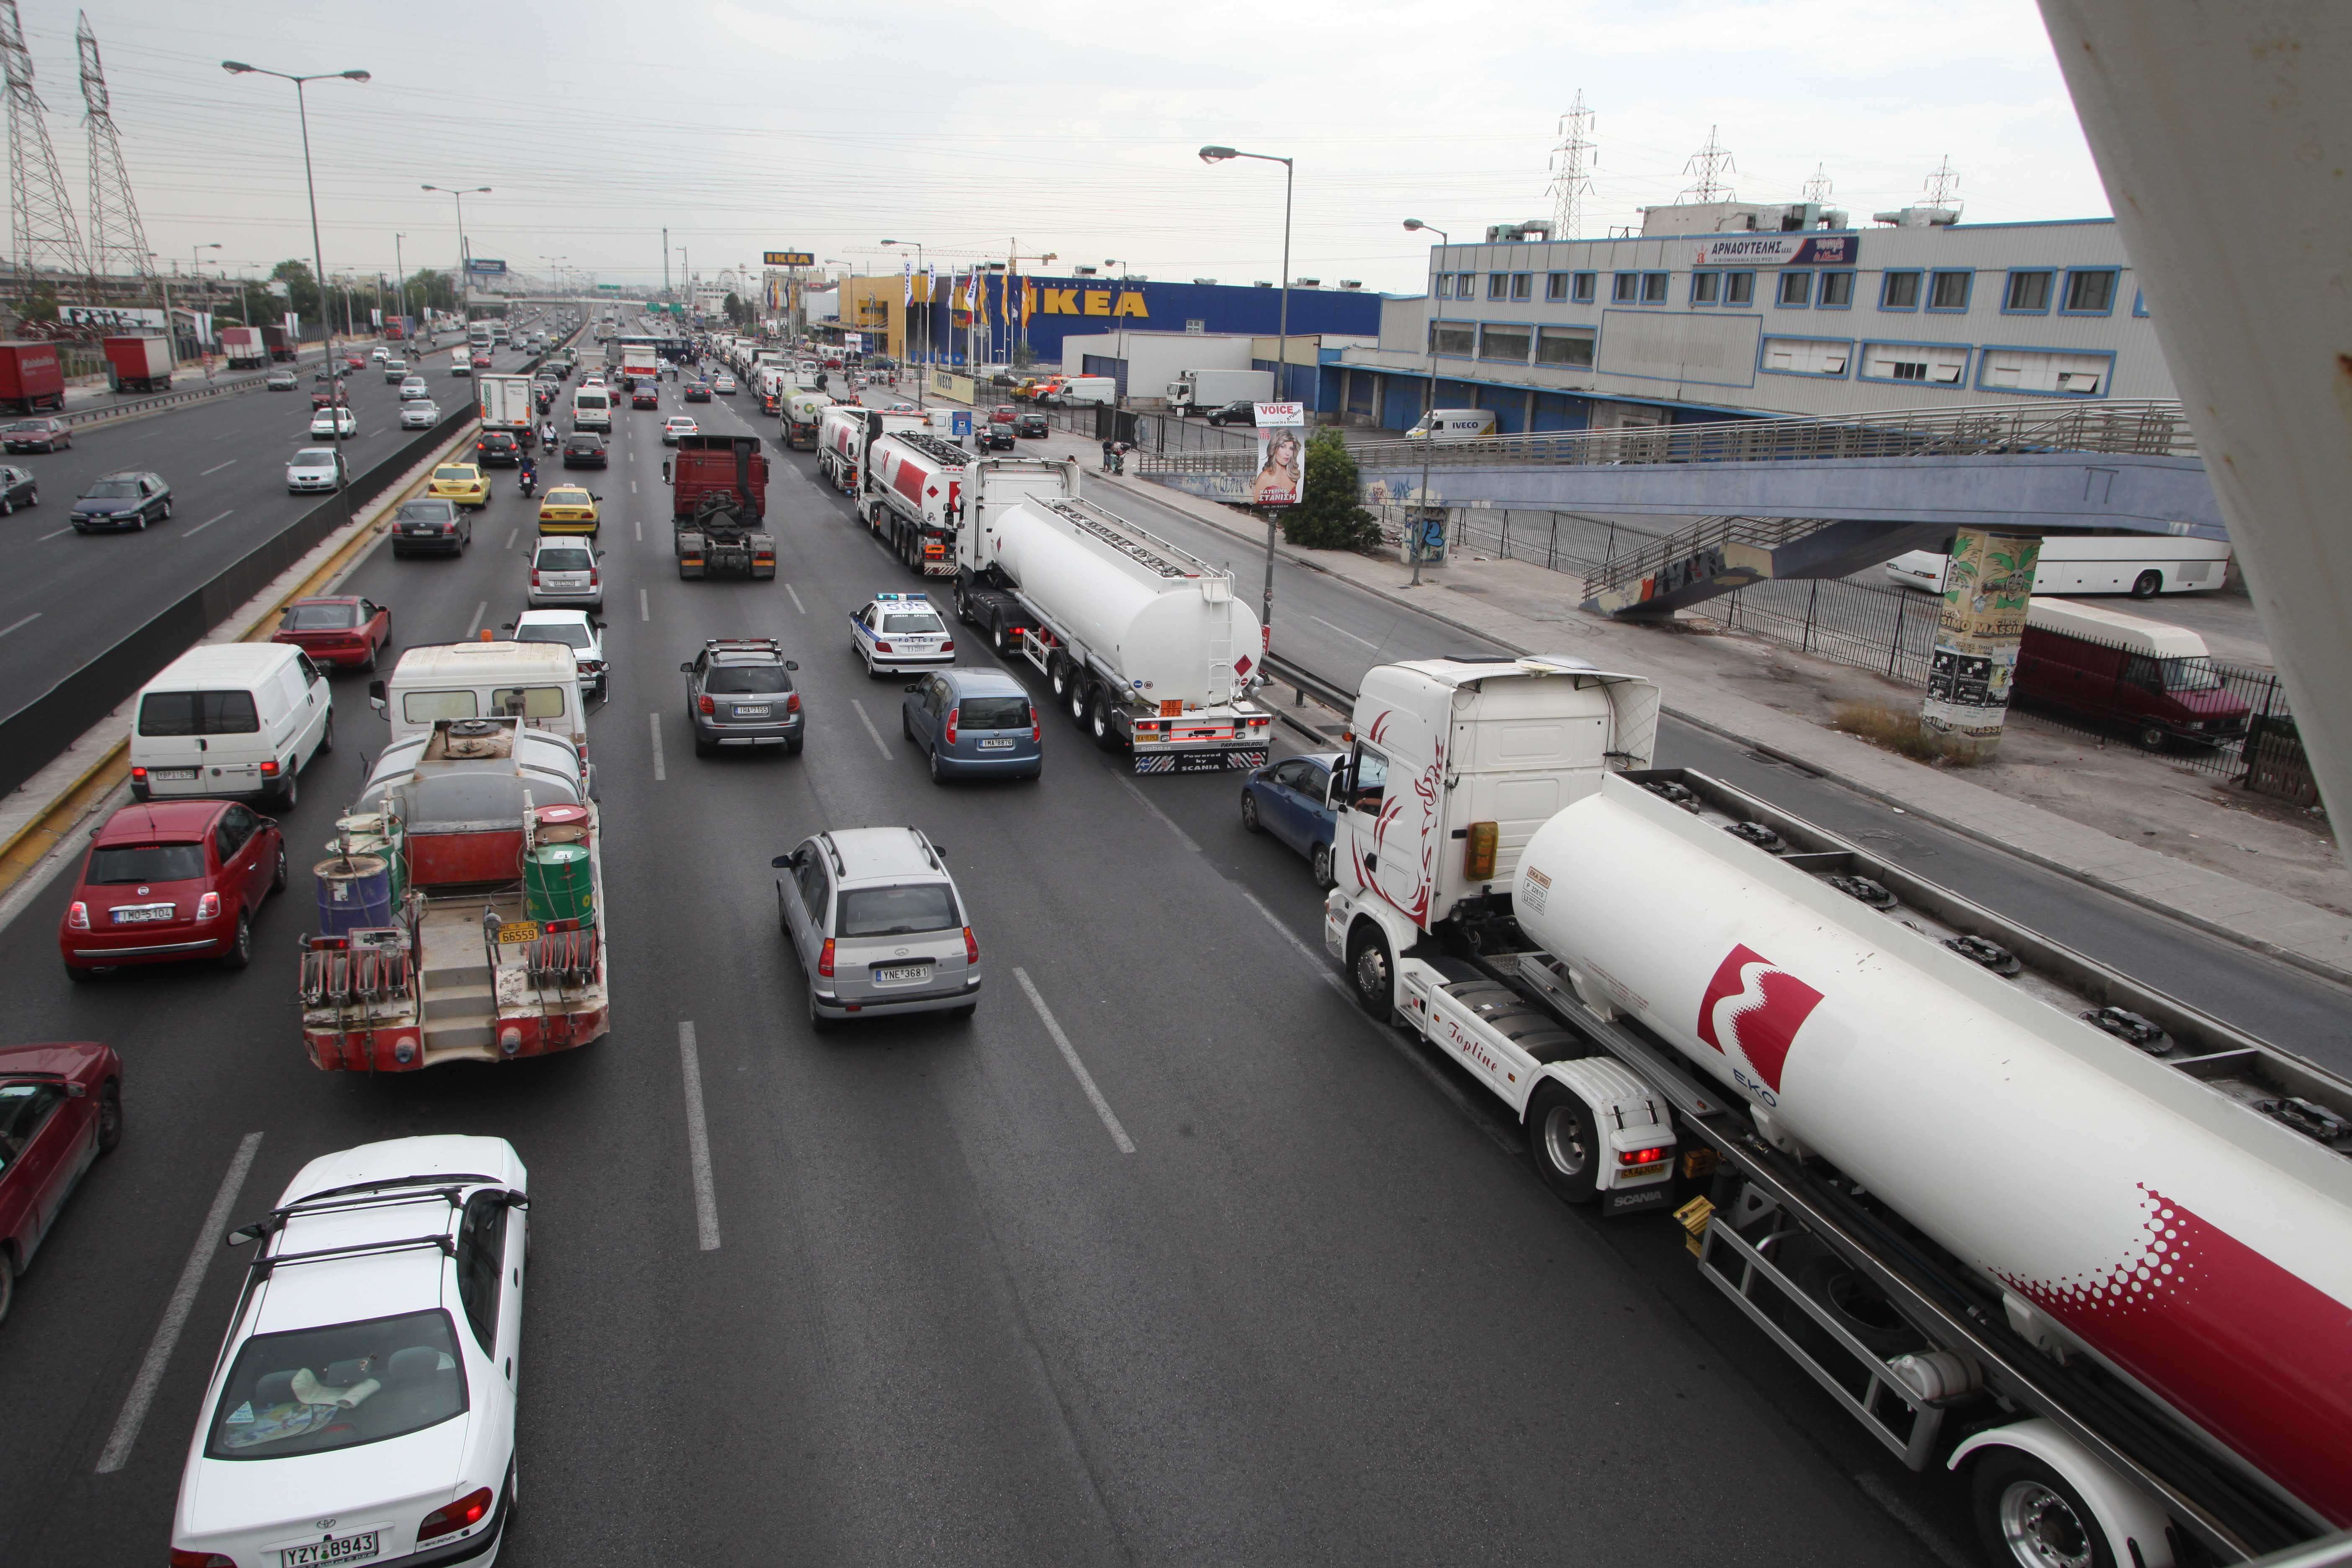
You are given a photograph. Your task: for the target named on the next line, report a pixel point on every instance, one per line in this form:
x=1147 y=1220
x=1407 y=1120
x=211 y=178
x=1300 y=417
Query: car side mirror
x=665 y=479
x=77 y=1090
x=375 y=692
x=506 y=626
x=687 y=668
x=514 y=1200
x=245 y=1233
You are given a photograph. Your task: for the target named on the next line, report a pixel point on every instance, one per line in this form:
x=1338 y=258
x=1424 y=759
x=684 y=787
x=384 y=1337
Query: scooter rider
x=528 y=479
x=547 y=436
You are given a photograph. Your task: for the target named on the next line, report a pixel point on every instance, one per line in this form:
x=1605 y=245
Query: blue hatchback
x=1292 y=799
x=974 y=723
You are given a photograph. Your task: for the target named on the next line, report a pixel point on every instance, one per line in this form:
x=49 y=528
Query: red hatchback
x=166 y=880
x=60 y=1109
x=337 y=629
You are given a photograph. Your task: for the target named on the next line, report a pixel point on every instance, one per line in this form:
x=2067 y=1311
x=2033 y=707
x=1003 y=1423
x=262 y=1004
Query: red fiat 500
x=60 y=1109
x=169 y=881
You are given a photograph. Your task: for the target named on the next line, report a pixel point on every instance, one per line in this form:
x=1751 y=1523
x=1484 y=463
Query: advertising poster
x=1281 y=477
x=1987 y=592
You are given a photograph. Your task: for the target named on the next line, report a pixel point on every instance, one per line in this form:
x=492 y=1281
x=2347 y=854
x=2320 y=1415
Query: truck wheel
x=1078 y=695
x=1058 y=676
x=1566 y=1142
x=2027 y=1515
x=1372 y=973
x=1098 y=720
x=1319 y=868
x=996 y=636
x=2147 y=584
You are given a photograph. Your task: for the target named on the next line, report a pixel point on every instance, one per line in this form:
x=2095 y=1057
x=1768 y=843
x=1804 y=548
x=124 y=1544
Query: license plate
x=751 y=711
x=900 y=973
x=357 y=1548
x=996 y=745
x=136 y=914
x=517 y=933
x=173 y=775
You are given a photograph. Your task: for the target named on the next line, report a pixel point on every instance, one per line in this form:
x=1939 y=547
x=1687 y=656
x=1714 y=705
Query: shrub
x=1328 y=515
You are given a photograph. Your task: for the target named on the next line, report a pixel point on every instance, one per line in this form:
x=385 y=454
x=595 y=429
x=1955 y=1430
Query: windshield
x=114 y=490
x=116 y=863
x=585 y=444
x=34 y=427
x=571 y=634
x=315 y=457
x=570 y=560
x=741 y=679
x=567 y=497
x=904 y=621
x=2191 y=675
x=897 y=912
x=993 y=712
x=197 y=713
x=314 y=1390
x=321 y=618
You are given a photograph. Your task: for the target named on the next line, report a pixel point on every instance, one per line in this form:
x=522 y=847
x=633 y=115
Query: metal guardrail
x=222 y=388
x=1709 y=534
x=1280 y=671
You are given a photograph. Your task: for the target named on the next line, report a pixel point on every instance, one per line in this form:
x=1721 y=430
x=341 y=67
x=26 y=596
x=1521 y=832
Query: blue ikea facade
x=1059 y=307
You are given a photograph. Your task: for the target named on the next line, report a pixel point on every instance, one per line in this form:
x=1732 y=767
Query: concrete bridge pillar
x=1986 y=594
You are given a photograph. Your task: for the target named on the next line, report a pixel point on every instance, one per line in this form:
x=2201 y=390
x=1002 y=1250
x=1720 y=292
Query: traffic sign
x=486 y=267
x=610 y=287
x=788 y=258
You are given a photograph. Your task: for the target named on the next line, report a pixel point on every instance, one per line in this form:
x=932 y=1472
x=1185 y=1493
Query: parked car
x=1029 y=423
x=166 y=881
x=584 y=450
x=2156 y=680
x=1295 y=800
x=973 y=723
x=432 y=524
x=280 y=381
x=18 y=487
x=578 y=630
x=568 y=509
x=338 y=629
x=1240 y=411
x=992 y=436
x=900 y=633
x=35 y=436
x=362 y=1407
x=878 y=926
x=313 y=470
x=679 y=425
x=564 y=572
x=419 y=413
x=336 y=420
x=60 y=1109
x=129 y=499
x=233 y=721
x=460 y=482
x=740 y=693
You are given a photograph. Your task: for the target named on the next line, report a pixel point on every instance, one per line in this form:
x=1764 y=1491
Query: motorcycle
x=1114 y=455
x=528 y=483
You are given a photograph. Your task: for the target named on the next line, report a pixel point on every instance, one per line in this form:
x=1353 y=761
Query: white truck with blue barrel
x=2027 y=1219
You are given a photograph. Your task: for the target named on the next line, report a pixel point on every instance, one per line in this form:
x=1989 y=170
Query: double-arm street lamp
x=1429 y=416
x=464 y=257
x=1281 y=356
x=310 y=180
x=922 y=266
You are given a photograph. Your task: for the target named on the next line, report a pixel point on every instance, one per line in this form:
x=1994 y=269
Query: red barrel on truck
x=31 y=380
x=137 y=365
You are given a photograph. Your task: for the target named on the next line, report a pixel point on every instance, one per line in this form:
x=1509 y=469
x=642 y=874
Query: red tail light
x=181 y=1559
x=792 y=704
x=592 y=577
x=270 y=769
x=208 y=906
x=948 y=646
x=139 y=774
x=824 y=960
x=534 y=576
x=883 y=647
x=971 y=946
x=77 y=916
x=706 y=705
x=1036 y=730
x=951 y=724
x=1640 y=1156
x=466 y=1511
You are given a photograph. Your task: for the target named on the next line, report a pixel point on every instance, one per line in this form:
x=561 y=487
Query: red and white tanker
x=914 y=498
x=844 y=431
x=2020 y=1215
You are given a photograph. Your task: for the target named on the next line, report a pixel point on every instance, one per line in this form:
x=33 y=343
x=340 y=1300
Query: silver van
x=878 y=925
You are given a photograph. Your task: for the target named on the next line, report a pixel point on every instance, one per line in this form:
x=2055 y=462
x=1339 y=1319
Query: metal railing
x=1709 y=536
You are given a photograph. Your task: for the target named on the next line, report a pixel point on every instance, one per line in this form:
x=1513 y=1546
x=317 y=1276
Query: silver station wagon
x=878 y=925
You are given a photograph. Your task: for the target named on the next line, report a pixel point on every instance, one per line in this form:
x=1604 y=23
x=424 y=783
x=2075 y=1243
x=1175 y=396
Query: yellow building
x=878 y=305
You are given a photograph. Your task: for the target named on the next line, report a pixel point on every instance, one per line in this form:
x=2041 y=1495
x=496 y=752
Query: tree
x=301 y=288
x=430 y=289
x=736 y=314
x=1328 y=515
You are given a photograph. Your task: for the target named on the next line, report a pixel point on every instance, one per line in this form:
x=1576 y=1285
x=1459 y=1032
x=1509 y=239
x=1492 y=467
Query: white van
x=1454 y=425
x=2140 y=565
x=231 y=719
x=592 y=409
x=538 y=682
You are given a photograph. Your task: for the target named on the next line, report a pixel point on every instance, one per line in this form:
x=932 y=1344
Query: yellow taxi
x=460 y=482
x=567 y=509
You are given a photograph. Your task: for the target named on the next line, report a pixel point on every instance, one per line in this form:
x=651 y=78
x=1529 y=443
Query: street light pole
x=464 y=257
x=923 y=266
x=1281 y=357
x=1429 y=415
x=399 y=273
x=310 y=184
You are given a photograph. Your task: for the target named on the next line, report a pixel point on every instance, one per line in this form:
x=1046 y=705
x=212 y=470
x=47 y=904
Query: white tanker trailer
x=1144 y=644
x=2020 y=1215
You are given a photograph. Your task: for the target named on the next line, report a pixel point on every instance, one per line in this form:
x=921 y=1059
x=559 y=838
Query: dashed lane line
x=698 y=1139
x=1078 y=1068
x=660 y=773
x=475 y=624
x=870 y=728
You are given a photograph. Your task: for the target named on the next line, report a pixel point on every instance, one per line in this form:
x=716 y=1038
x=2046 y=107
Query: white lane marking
x=870 y=728
x=640 y=526
x=633 y=487
x=512 y=535
x=175 y=1311
x=475 y=624
x=796 y=600
x=54 y=534
x=1314 y=960
x=1345 y=633
x=207 y=523
x=698 y=1139
x=216 y=467
x=645 y=607
x=1070 y=1054
x=660 y=773
x=16 y=625
x=1168 y=821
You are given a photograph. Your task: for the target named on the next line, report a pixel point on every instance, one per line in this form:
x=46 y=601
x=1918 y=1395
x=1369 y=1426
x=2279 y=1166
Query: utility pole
x=665 y=260
x=400 y=272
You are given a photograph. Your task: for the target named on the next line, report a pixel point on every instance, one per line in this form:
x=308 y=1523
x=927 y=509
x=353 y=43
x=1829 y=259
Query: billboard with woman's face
x=1281 y=475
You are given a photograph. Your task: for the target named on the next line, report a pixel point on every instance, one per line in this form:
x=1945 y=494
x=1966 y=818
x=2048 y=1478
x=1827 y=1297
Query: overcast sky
x=967 y=124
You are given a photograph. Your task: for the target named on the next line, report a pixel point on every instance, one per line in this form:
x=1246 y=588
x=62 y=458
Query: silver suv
x=878 y=925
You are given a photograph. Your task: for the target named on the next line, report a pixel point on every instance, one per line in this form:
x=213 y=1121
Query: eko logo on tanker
x=1758 y=1008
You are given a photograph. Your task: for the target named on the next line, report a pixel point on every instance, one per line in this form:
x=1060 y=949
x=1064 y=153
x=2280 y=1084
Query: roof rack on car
x=743 y=645
x=266 y=1264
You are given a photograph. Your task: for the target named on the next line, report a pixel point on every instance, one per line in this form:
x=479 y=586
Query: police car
x=899 y=632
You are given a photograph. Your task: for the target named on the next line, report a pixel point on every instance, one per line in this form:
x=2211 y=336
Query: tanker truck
x=2027 y=1219
x=914 y=499
x=844 y=431
x=797 y=427
x=1144 y=644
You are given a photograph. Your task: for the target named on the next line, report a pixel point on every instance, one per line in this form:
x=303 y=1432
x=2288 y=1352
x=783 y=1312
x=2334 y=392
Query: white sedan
x=334 y=422
x=363 y=1409
x=419 y=414
x=723 y=384
x=679 y=425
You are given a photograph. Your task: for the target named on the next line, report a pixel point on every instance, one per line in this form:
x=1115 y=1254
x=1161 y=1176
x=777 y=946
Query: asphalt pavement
x=1322 y=1312
x=66 y=597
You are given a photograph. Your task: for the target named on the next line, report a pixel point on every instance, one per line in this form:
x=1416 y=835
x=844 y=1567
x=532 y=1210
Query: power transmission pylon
x=1943 y=184
x=1817 y=189
x=1569 y=182
x=115 y=235
x=41 y=227
x=1710 y=164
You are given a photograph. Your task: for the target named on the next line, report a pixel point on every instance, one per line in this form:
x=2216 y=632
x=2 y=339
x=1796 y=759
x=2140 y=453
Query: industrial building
x=1728 y=309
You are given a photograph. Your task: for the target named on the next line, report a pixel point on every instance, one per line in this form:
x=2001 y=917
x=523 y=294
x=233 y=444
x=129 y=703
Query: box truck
x=31 y=379
x=243 y=348
x=138 y=363
x=1193 y=390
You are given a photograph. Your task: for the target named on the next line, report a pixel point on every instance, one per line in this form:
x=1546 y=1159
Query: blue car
x=1294 y=800
x=973 y=723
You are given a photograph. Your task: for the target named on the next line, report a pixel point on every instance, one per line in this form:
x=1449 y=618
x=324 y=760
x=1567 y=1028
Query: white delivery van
x=538 y=682
x=231 y=719
x=1453 y=425
x=592 y=409
x=2140 y=565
